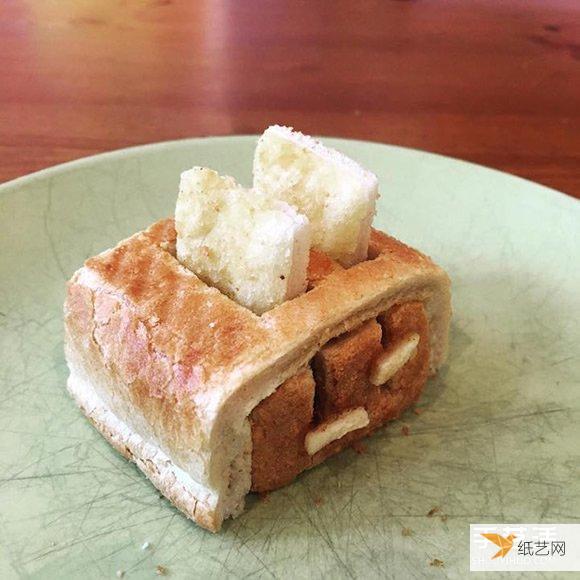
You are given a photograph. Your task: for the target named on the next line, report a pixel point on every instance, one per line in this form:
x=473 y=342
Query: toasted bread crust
x=320 y=267
x=281 y=422
x=184 y=365
x=279 y=425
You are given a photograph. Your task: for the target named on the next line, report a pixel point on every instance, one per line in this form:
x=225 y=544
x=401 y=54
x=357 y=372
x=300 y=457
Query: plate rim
x=545 y=192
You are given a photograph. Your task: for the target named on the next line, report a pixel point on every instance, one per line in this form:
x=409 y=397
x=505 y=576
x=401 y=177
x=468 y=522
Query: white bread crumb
x=336 y=194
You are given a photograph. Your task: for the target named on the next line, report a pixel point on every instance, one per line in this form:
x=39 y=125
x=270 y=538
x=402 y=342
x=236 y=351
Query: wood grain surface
x=494 y=82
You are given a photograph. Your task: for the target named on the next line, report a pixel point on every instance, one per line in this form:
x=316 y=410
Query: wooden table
x=495 y=82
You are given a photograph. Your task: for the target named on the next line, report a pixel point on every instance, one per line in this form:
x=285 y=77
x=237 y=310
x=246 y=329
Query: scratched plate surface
x=498 y=439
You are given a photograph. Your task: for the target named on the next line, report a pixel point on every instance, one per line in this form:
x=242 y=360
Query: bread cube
x=336 y=194
x=253 y=248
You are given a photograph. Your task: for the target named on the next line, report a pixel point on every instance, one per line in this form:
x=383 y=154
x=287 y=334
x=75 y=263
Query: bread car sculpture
x=258 y=333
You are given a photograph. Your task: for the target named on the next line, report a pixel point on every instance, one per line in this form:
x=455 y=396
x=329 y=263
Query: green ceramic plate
x=498 y=440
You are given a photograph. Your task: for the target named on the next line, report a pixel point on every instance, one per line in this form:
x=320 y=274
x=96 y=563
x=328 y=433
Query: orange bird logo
x=505 y=544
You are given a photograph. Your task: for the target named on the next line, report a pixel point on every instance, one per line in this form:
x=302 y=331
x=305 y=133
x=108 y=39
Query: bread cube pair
x=254 y=244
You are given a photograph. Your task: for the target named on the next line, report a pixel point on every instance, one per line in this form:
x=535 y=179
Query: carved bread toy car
x=212 y=400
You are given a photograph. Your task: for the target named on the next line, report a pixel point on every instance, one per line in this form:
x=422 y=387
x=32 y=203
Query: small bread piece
x=252 y=248
x=336 y=194
x=341 y=368
x=401 y=321
x=279 y=425
x=335 y=429
x=409 y=320
x=393 y=359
